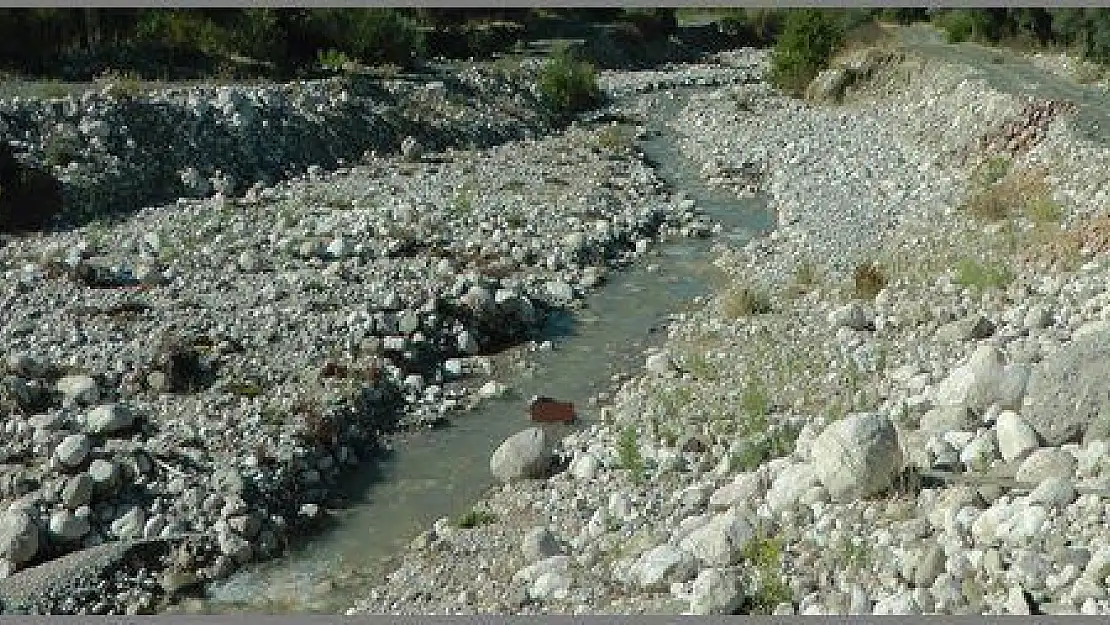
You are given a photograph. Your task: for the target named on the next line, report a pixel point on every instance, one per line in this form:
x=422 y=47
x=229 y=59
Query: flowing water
x=441 y=472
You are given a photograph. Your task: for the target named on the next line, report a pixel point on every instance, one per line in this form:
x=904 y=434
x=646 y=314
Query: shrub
x=567 y=85
x=475 y=517
x=869 y=280
x=332 y=59
x=745 y=302
x=808 y=41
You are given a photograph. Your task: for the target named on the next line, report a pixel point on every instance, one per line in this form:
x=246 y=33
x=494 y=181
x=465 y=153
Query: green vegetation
x=628 y=453
x=992 y=170
x=808 y=41
x=1000 y=197
x=979 y=275
x=868 y=279
x=1086 y=30
x=764 y=556
x=745 y=301
x=567 y=85
x=475 y=517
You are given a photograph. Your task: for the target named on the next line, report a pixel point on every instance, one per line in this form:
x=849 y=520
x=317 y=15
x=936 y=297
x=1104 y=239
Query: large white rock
x=982 y=380
x=19 y=537
x=857 y=456
x=790 y=485
x=1016 y=439
x=662 y=566
x=78 y=388
x=1045 y=463
x=720 y=541
x=524 y=455
x=716 y=591
x=109 y=419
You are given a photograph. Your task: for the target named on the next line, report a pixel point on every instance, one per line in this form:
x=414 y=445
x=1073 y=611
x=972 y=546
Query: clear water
x=441 y=472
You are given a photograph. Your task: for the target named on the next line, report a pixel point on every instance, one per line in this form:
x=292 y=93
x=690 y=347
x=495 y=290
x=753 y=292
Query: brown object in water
x=547 y=410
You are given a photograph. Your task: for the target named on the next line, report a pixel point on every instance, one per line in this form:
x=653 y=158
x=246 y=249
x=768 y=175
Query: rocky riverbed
x=212 y=368
x=892 y=408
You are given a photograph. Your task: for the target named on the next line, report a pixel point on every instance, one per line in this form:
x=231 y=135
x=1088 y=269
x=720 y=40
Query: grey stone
x=1054 y=492
x=716 y=591
x=977 y=383
x=854 y=316
x=663 y=565
x=78 y=388
x=720 y=541
x=68 y=527
x=524 y=455
x=1067 y=392
x=829 y=85
x=857 y=456
x=77 y=491
x=954 y=418
x=790 y=485
x=19 y=537
x=1016 y=439
x=1045 y=463
x=109 y=419
x=539 y=543
x=130 y=523
x=105 y=474
x=73 y=450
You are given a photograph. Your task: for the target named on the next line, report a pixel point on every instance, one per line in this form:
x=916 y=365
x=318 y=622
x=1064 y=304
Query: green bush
x=808 y=41
x=567 y=85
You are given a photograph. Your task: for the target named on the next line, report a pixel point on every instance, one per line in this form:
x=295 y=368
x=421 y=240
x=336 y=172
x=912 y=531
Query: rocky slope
x=892 y=408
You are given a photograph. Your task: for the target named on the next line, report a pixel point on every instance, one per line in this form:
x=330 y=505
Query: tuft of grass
x=464 y=201
x=869 y=279
x=744 y=302
x=615 y=138
x=628 y=453
x=804 y=278
x=764 y=556
x=475 y=517
x=992 y=170
x=979 y=275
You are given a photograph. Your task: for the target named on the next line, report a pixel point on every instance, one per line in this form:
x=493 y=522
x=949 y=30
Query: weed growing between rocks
x=745 y=301
x=764 y=557
x=475 y=517
x=982 y=275
x=628 y=454
x=869 y=279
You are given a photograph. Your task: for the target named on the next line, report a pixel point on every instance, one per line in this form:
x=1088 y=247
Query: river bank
x=727 y=477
